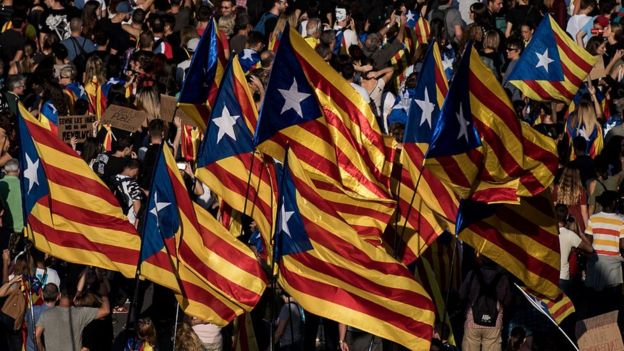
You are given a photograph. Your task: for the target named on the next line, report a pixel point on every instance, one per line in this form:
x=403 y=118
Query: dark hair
x=254 y=38
x=138 y=16
x=50 y=292
x=156 y=127
x=516 y=338
x=242 y=21
x=587 y=3
x=579 y=143
x=132 y=163
x=122 y=143
x=203 y=13
x=347 y=71
x=158 y=25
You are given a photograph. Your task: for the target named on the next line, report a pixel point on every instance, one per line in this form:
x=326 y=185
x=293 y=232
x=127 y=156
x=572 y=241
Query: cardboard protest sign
x=168 y=106
x=600 y=333
x=78 y=126
x=123 y=118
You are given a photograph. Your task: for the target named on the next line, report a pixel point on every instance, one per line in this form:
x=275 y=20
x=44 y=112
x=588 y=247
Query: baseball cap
x=123 y=7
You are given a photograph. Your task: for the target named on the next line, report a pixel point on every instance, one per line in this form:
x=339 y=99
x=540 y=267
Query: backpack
x=80 y=61
x=485 y=306
x=439 y=14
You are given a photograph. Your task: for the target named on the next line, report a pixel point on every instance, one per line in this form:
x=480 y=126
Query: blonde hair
x=584 y=115
x=226 y=24
x=570 y=187
x=94 y=71
x=148 y=100
x=187 y=340
x=281 y=23
x=491 y=40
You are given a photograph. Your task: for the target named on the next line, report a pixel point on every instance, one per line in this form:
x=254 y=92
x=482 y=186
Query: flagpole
x=409 y=208
x=533 y=303
x=397 y=217
x=253 y=158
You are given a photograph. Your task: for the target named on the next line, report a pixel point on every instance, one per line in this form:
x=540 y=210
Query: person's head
x=123 y=146
x=226 y=24
x=478 y=11
x=514 y=48
x=138 y=16
x=18 y=20
x=16 y=84
x=561 y=211
x=148 y=100
x=372 y=42
x=596 y=46
x=347 y=72
x=226 y=8
x=90 y=149
x=266 y=59
x=75 y=25
x=313 y=28
x=203 y=13
x=570 y=187
x=156 y=130
x=95 y=70
x=131 y=168
x=279 y=6
x=60 y=52
x=584 y=116
x=255 y=41
x=87 y=299
x=242 y=24
x=51 y=293
x=100 y=38
x=146 y=330
x=494 y=6
x=608 y=200
x=342 y=16
x=324 y=52
x=187 y=339
x=146 y=41
x=11 y=168
x=491 y=40
x=67 y=75
x=587 y=6
x=157 y=25
x=614 y=33
x=516 y=339
x=526 y=31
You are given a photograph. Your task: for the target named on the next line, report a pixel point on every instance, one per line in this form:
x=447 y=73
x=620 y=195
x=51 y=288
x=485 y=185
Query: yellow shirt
x=312 y=41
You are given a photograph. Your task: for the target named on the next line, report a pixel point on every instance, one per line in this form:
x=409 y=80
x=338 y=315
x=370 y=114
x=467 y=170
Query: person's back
x=63 y=326
x=10 y=192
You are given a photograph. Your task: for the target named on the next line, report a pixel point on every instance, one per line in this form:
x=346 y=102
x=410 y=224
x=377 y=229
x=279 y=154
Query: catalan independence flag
x=324 y=121
x=216 y=277
x=553 y=66
x=199 y=89
x=48 y=116
x=555 y=309
x=96 y=97
x=71 y=214
x=522 y=238
x=333 y=273
x=227 y=163
x=478 y=144
x=419 y=25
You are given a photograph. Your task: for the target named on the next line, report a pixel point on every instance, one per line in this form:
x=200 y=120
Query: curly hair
x=570 y=187
x=187 y=340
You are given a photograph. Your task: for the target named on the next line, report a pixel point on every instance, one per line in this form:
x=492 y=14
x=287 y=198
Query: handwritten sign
x=75 y=126
x=600 y=333
x=123 y=118
x=168 y=106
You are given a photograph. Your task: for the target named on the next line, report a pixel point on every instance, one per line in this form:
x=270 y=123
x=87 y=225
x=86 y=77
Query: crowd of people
x=64 y=57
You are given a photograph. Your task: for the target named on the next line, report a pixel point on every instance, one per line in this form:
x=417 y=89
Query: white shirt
x=576 y=23
x=349 y=37
x=567 y=240
x=52 y=277
x=362 y=92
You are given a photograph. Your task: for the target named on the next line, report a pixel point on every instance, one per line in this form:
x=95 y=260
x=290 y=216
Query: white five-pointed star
x=463 y=124
x=82 y=91
x=285 y=217
x=293 y=98
x=247 y=54
x=410 y=16
x=30 y=172
x=427 y=109
x=543 y=60
x=158 y=206
x=225 y=124
x=447 y=63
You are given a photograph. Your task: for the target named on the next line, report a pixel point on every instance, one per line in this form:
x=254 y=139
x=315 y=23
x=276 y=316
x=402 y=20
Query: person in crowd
x=289 y=330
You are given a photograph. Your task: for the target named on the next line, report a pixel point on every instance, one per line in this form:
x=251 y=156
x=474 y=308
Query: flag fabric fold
x=71 y=214
x=333 y=273
x=553 y=66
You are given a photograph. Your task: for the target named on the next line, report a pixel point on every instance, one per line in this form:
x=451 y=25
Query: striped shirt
x=606 y=229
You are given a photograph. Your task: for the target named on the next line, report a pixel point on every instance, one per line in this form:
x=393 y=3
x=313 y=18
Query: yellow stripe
x=84 y=201
x=67 y=162
x=361 y=320
x=160 y=276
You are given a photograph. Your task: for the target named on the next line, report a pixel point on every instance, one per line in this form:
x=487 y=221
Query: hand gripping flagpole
x=539 y=308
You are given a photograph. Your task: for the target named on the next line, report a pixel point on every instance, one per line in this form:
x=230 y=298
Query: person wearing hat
x=605 y=230
x=183 y=66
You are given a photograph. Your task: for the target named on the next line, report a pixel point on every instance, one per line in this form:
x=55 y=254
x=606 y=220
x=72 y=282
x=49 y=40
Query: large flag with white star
x=200 y=87
x=327 y=267
x=227 y=163
x=324 y=120
x=434 y=202
x=215 y=277
x=553 y=66
x=70 y=213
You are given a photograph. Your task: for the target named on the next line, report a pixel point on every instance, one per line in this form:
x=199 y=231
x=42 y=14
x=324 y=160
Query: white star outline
x=158 y=206
x=225 y=123
x=31 y=173
x=284 y=218
x=447 y=62
x=247 y=54
x=410 y=16
x=543 y=60
x=293 y=98
x=463 y=124
x=427 y=108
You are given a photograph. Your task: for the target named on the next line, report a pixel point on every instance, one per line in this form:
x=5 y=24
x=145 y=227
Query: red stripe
x=453 y=171
x=80 y=183
x=496 y=194
x=570 y=76
x=562 y=90
x=246 y=105
x=205 y=297
x=354 y=302
x=440 y=80
x=499 y=105
x=561 y=310
x=71 y=240
x=578 y=61
x=529 y=227
x=88 y=217
x=529 y=263
x=363 y=119
x=537 y=89
x=230 y=287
